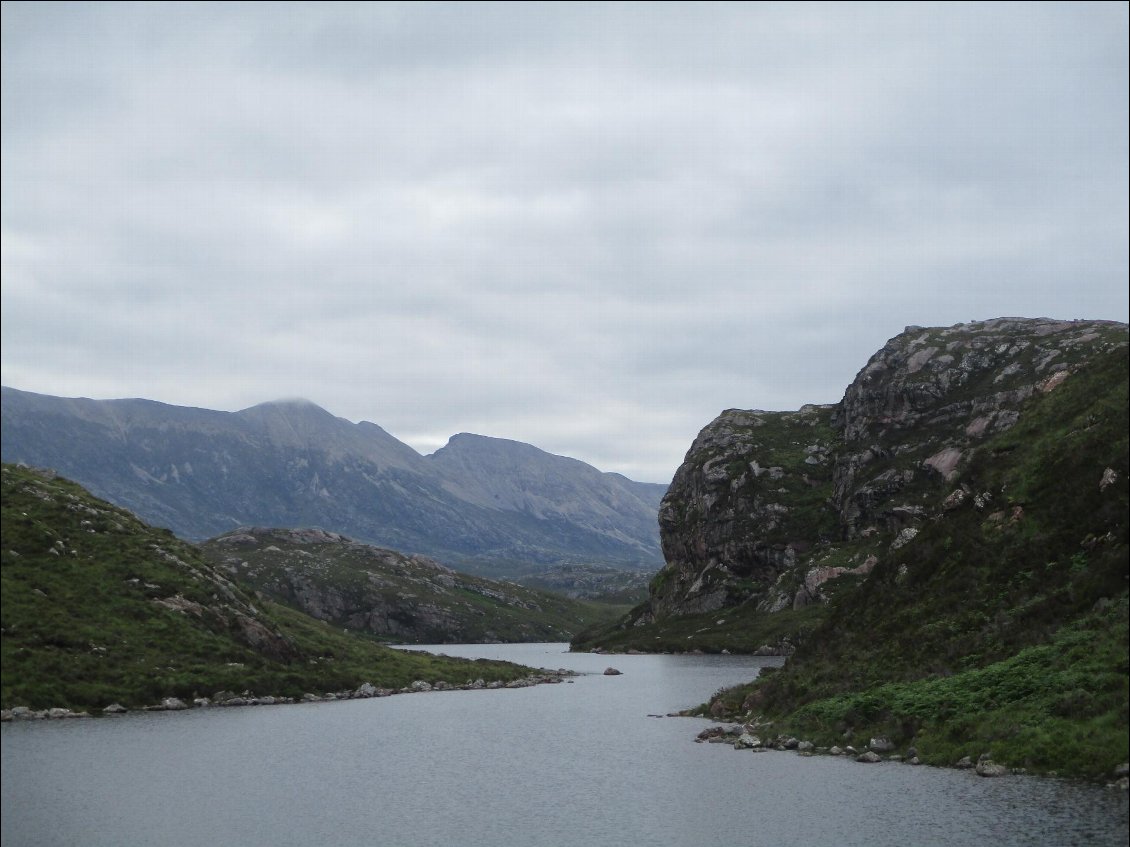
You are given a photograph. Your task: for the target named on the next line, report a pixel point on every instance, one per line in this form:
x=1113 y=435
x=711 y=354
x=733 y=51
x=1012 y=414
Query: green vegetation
x=1002 y=627
x=97 y=607
x=742 y=629
x=392 y=596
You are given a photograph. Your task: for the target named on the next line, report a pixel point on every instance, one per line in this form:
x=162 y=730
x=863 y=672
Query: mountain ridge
x=293 y=464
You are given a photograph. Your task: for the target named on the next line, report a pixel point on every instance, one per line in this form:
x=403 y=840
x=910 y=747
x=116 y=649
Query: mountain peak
x=286 y=404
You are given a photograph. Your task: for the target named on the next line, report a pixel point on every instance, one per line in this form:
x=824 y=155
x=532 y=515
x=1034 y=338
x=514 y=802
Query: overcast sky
x=590 y=227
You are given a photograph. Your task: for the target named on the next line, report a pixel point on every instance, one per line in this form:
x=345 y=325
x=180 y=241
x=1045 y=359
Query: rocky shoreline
x=364 y=691
x=879 y=749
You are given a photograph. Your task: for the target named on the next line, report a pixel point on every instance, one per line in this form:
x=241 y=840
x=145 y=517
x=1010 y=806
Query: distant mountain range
x=483 y=504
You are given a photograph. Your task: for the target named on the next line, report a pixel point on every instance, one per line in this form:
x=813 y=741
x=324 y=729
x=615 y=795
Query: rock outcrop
x=775 y=508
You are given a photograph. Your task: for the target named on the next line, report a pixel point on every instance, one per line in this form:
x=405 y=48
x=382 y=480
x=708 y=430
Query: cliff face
x=746 y=504
x=771 y=507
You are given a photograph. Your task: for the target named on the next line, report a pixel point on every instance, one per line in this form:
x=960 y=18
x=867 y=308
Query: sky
x=590 y=227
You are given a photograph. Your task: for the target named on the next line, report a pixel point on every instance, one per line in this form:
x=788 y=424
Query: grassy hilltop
x=98 y=607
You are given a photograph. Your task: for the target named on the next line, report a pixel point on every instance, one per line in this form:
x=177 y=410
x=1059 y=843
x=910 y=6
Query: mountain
x=408 y=599
x=944 y=553
x=98 y=607
x=483 y=504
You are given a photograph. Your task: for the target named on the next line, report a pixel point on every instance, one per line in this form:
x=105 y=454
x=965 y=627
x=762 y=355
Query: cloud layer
x=590 y=227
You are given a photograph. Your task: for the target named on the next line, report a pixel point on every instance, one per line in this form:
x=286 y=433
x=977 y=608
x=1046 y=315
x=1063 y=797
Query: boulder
x=882 y=744
x=115 y=709
x=747 y=741
x=869 y=757
x=710 y=732
x=987 y=767
x=611 y=672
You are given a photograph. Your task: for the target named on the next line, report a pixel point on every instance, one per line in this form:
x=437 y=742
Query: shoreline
x=229 y=699
x=881 y=750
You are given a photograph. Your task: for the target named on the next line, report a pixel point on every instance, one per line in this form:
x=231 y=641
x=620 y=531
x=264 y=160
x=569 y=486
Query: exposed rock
x=115 y=709
x=747 y=741
x=869 y=757
x=904 y=537
x=875 y=464
x=1110 y=476
x=987 y=767
x=945 y=462
x=881 y=745
x=611 y=672
x=964 y=763
x=954 y=500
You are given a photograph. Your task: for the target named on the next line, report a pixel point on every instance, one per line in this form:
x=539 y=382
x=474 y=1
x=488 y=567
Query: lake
x=578 y=763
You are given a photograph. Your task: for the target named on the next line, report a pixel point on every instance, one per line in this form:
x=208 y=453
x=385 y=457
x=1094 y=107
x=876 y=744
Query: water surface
x=578 y=763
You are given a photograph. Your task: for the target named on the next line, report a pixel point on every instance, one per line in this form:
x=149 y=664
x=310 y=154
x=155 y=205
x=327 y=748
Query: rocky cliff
x=943 y=555
x=772 y=508
x=485 y=504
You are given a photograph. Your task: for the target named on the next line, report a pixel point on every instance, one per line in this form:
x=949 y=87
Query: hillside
x=481 y=504
x=97 y=607
x=945 y=550
x=408 y=599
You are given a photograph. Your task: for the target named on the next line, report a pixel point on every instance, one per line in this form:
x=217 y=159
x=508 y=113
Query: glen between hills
x=943 y=553
x=97 y=607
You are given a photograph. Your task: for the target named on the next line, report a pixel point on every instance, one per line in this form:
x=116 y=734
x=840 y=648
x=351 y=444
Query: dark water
x=572 y=764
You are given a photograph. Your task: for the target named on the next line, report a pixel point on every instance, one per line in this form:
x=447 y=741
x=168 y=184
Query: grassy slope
x=741 y=629
x=999 y=629
x=82 y=628
x=421 y=602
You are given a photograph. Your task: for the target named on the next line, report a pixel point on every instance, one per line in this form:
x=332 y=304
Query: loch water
x=577 y=763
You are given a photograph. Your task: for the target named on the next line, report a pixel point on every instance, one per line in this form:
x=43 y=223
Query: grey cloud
x=587 y=226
